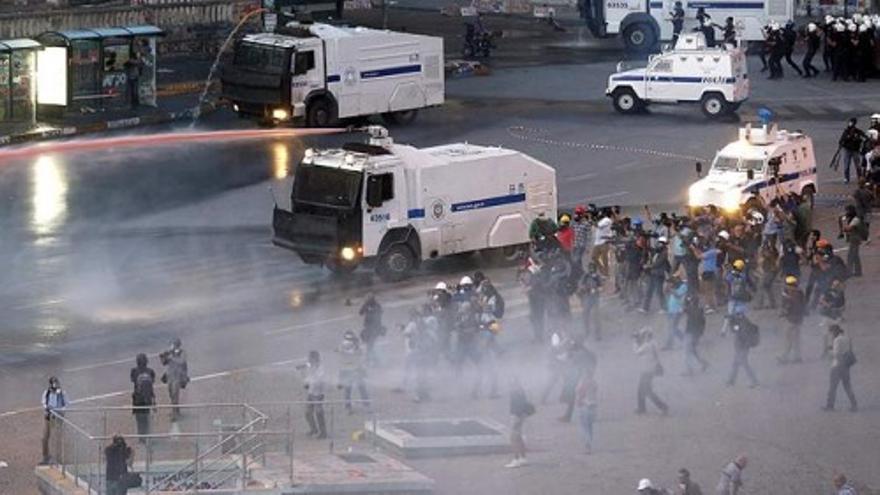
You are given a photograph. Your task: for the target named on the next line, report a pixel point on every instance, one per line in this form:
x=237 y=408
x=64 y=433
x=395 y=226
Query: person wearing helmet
x=794 y=309
x=565 y=234
x=776 y=48
x=875 y=121
x=813 y=41
x=840 y=47
x=54 y=401
x=789 y=38
x=677 y=18
x=646 y=487
x=352 y=373
x=739 y=293
x=863 y=62
x=850 y=146
x=371 y=311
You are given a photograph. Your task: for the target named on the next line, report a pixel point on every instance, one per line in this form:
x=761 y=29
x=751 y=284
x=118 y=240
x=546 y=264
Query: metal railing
x=210 y=446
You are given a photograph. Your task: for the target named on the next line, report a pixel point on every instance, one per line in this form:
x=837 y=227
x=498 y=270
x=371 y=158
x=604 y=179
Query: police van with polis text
x=765 y=162
x=321 y=73
x=716 y=78
x=392 y=206
x=642 y=23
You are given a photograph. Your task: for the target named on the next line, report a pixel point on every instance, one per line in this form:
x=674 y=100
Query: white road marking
x=101 y=365
x=578 y=178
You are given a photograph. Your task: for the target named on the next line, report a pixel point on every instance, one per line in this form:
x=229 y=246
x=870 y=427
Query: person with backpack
x=794 y=308
x=520 y=408
x=143 y=398
x=695 y=326
x=739 y=293
x=842 y=360
x=856 y=233
x=745 y=337
x=53 y=401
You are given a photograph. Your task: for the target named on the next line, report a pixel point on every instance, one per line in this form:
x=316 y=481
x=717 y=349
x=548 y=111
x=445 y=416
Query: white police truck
x=321 y=73
x=642 y=23
x=392 y=206
x=765 y=162
x=716 y=78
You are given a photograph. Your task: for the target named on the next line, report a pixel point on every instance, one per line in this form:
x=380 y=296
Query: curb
x=108 y=125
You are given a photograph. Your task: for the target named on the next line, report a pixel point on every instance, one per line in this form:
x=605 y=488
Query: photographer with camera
x=176 y=374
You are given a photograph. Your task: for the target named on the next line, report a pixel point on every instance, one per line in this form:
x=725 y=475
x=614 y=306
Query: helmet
x=873 y=134
x=863 y=28
x=756 y=217
x=868 y=22
x=724 y=235
x=645 y=483
x=440 y=286
x=829 y=19
x=857 y=17
x=774 y=26
x=875 y=117
x=853 y=28
x=465 y=281
x=812 y=27
x=739 y=265
x=791 y=280
x=662 y=240
x=564 y=219
x=580 y=210
x=839 y=27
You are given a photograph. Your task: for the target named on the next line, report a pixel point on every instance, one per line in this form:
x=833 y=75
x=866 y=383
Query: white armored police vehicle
x=322 y=73
x=393 y=206
x=642 y=23
x=765 y=162
x=716 y=78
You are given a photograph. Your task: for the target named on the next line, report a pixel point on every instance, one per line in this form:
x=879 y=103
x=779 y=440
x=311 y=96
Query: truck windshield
x=742 y=165
x=725 y=163
x=261 y=58
x=326 y=186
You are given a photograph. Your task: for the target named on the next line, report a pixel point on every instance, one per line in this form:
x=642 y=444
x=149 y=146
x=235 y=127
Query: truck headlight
x=348 y=253
x=730 y=201
x=280 y=114
x=235 y=107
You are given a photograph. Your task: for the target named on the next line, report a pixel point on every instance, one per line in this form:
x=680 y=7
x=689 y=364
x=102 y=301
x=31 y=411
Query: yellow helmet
x=739 y=265
x=791 y=280
x=564 y=219
x=495 y=327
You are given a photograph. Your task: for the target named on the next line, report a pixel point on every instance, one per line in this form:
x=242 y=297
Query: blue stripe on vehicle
x=782 y=178
x=656 y=5
x=726 y=5
x=415 y=213
x=391 y=71
x=334 y=78
x=680 y=79
x=489 y=202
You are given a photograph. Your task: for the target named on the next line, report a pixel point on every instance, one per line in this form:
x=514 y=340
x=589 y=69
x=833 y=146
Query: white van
x=716 y=78
x=763 y=161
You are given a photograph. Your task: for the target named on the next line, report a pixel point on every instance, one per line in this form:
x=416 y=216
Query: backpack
x=752 y=335
x=499 y=306
x=143 y=389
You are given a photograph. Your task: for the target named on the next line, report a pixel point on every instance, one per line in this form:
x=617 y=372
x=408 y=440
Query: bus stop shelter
x=97 y=69
x=18 y=86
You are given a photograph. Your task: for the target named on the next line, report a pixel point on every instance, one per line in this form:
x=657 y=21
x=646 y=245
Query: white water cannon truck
x=642 y=23
x=393 y=206
x=321 y=73
x=763 y=164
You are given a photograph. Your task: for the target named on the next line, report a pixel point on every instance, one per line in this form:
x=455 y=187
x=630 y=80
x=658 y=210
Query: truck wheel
x=404 y=117
x=396 y=263
x=625 y=101
x=714 y=105
x=639 y=37
x=321 y=113
x=507 y=255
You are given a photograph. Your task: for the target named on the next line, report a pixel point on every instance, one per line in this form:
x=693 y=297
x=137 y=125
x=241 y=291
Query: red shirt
x=565 y=236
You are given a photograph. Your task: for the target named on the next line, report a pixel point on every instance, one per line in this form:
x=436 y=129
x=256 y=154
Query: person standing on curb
x=143 y=398
x=520 y=409
x=176 y=374
x=315 y=384
x=53 y=401
x=731 y=477
x=842 y=359
x=649 y=360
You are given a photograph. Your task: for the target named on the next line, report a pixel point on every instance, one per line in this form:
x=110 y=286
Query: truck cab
x=716 y=78
x=765 y=162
